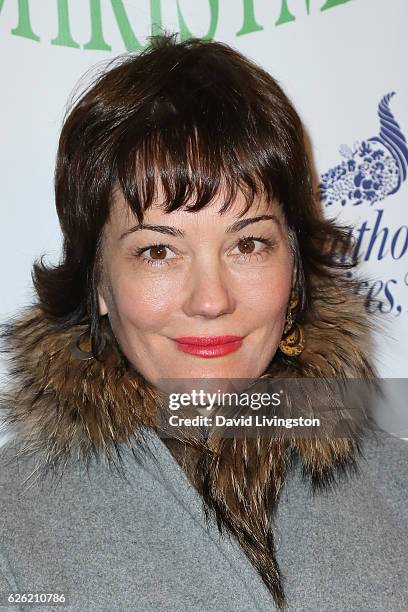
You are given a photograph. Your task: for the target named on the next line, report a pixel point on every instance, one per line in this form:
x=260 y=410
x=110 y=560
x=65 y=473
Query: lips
x=207 y=340
x=208 y=346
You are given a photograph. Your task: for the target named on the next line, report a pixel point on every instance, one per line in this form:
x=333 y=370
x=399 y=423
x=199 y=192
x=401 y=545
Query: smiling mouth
x=208 y=346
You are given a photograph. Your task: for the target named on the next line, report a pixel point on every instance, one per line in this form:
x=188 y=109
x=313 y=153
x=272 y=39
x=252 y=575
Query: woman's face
x=171 y=289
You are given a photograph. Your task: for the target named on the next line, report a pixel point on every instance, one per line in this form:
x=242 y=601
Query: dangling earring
x=293 y=340
x=78 y=352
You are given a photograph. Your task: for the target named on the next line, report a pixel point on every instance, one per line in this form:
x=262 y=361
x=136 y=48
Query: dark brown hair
x=199 y=116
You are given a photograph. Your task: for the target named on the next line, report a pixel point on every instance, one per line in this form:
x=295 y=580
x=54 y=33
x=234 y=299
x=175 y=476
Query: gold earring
x=293 y=341
x=78 y=351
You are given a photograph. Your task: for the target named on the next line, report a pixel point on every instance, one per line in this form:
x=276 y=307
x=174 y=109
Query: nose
x=210 y=293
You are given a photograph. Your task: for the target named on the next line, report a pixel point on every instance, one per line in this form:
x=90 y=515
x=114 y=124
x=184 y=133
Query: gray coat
x=139 y=540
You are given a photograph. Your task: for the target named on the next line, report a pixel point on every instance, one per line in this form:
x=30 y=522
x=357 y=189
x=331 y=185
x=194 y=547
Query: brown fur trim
x=62 y=407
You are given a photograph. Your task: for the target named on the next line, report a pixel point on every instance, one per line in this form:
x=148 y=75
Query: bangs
x=197 y=142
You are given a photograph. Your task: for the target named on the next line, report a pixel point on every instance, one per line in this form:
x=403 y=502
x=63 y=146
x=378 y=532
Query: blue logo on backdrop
x=370 y=172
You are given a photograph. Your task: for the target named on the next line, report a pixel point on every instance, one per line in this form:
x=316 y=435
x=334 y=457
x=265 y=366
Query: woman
x=193 y=249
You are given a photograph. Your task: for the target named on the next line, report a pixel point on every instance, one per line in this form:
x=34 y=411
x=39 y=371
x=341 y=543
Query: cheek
x=266 y=294
x=142 y=302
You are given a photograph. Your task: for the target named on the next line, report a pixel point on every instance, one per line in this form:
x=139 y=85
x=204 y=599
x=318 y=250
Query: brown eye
x=157 y=252
x=246 y=245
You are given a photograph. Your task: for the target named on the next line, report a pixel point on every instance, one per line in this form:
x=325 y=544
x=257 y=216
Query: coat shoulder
x=385 y=459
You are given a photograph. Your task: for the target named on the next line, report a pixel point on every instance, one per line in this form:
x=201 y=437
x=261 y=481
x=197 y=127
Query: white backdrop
x=336 y=59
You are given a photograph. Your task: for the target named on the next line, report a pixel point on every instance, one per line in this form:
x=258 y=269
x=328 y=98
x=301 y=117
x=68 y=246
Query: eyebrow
x=174 y=231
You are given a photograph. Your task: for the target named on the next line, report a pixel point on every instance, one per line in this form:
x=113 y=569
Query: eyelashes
x=153 y=262
x=269 y=245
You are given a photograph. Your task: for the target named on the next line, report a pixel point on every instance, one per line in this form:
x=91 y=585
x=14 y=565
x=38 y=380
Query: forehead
x=122 y=217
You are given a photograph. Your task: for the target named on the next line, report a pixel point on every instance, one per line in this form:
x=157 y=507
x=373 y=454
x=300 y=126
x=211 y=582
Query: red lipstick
x=208 y=346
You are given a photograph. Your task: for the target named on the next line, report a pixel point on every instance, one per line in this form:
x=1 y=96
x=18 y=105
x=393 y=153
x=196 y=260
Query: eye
x=155 y=254
x=247 y=246
x=250 y=247
x=158 y=251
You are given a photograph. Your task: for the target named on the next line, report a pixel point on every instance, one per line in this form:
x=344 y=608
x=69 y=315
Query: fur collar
x=62 y=407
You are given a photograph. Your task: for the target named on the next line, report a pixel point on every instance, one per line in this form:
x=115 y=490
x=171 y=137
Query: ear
x=103 y=309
